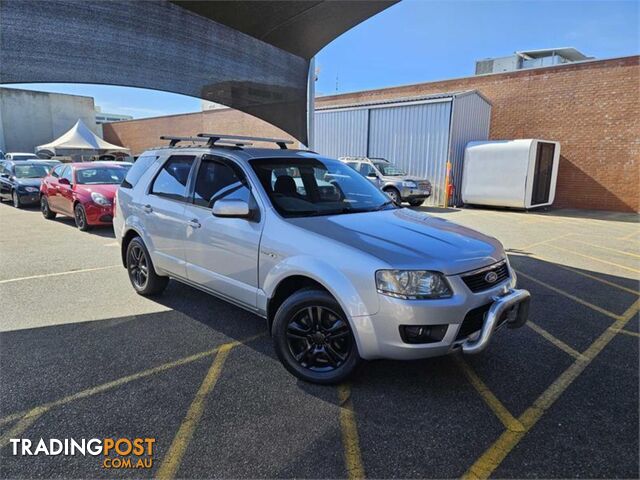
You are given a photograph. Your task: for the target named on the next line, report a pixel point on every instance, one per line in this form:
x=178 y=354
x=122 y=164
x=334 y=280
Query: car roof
x=20 y=153
x=81 y=165
x=237 y=153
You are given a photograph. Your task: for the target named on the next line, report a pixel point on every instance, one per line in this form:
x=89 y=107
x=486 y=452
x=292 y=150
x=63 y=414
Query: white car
x=15 y=156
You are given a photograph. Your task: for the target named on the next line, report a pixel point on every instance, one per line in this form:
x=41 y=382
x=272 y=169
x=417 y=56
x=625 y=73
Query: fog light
x=422 y=333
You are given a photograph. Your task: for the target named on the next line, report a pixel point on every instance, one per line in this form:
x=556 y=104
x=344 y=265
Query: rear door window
x=138 y=169
x=171 y=181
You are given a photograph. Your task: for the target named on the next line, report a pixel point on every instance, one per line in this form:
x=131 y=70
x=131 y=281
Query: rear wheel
x=15 y=199
x=142 y=275
x=81 y=218
x=313 y=338
x=394 y=195
x=44 y=208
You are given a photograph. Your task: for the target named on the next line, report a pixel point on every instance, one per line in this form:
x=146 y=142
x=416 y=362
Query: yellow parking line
x=555 y=341
x=544 y=241
x=124 y=380
x=489 y=398
x=630 y=236
x=350 y=441
x=496 y=453
x=19 y=428
x=569 y=296
x=626 y=332
x=621 y=252
x=172 y=460
x=593 y=277
x=594 y=258
x=69 y=272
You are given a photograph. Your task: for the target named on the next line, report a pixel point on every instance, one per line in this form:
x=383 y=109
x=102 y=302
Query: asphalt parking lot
x=82 y=356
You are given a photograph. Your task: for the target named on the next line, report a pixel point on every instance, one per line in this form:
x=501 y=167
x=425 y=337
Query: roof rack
x=216 y=137
x=173 y=141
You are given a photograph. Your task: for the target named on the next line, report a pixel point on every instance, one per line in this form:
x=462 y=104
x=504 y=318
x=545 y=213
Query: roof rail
x=173 y=141
x=215 y=137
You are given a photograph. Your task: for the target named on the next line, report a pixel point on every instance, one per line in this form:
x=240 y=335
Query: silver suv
x=339 y=271
x=392 y=180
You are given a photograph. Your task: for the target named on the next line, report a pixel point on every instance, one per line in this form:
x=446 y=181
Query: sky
x=419 y=41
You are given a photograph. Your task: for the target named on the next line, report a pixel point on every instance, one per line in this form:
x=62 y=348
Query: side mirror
x=64 y=181
x=372 y=175
x=231 y=208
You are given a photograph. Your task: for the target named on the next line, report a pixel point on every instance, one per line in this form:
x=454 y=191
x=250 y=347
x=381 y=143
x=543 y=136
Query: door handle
x=147 y=209
x=194 y=223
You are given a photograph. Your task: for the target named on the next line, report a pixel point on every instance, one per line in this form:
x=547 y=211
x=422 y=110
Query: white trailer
x=510 y=173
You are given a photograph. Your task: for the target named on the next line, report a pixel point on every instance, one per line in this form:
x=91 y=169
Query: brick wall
x=591 y=108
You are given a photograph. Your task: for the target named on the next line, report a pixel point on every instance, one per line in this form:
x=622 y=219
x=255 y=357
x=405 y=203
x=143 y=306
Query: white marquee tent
x=79 y=140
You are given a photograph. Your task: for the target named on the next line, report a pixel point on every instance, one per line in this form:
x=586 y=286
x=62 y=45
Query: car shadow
x=178 y=331
x=105 y=231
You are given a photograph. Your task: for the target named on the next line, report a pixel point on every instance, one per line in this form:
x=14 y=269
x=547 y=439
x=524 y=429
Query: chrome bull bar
x=499 y=308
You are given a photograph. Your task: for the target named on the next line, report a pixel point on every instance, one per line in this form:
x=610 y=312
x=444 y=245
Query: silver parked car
x=392 y=180
x=339 y=271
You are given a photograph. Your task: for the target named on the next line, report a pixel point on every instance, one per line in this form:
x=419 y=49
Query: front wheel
x=313 y=338
x=81 y=218
x=15 y=199
x=142 y=275
x=415 y=203
x=44 y=208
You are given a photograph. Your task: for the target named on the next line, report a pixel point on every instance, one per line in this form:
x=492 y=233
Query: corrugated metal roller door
x=341 y=133
x=416 y=138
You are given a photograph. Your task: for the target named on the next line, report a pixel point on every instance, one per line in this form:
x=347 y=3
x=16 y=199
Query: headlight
x=100 y=199
x=409 y=184
x=412 y=284
x=31 y=189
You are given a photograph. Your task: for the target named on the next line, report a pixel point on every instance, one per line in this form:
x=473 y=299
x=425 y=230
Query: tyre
x=44 y=208
x=313 y=339
x=142 y=274
x=15 y=199
x=394 y=195
x=415 y=203
x=81 y=218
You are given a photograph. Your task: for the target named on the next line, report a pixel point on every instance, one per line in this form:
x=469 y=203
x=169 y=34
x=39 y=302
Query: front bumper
x=28 y=197
x=414 y=194
x=98 y=214
x=379 y=336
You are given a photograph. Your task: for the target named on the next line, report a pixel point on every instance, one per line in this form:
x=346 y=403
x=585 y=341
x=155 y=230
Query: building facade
x=592 y=108
x=29 y=118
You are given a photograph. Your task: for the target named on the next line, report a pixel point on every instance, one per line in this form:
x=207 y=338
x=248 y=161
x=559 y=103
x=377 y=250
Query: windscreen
x=101 y=175
x=317 y=186
x=31 y=171
x=389 y=169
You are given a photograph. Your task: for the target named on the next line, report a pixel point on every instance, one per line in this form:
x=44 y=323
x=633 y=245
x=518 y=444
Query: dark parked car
x=20 y=181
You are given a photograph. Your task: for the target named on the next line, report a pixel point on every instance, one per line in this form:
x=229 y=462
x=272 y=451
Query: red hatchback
x=83 y=191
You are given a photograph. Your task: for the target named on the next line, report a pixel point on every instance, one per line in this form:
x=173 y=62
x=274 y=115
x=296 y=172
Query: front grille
x=472 y=321
x=477 y=281
x=424 y=186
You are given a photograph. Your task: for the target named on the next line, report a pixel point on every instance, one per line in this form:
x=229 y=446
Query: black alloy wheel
x=319 y=339
x=313 y=338
x=138 y=267
x=142 y=274
x=81 y=218
x=44 y=208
